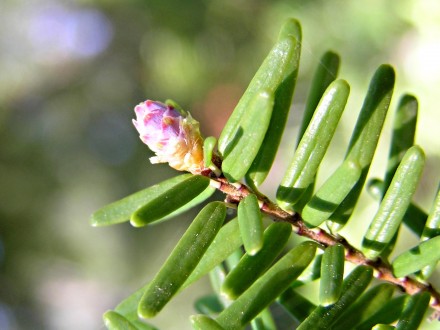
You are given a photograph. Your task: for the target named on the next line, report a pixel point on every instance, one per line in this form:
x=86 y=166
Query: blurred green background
x=71 y=73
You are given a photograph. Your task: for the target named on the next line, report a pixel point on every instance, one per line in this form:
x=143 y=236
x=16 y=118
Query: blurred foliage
x=70 y=75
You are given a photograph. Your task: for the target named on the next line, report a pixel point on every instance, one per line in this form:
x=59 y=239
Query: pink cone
x=173 y=137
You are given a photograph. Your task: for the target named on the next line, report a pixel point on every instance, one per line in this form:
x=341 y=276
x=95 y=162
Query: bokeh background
x=71 y=73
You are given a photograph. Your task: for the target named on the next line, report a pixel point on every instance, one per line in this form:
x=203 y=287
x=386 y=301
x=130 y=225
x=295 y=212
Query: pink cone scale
x=174 y=138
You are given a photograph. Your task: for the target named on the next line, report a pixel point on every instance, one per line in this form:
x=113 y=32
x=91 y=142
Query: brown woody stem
x=235 y=192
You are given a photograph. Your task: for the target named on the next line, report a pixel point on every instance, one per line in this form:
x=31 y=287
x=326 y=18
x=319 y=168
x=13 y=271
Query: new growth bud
x=175 y=138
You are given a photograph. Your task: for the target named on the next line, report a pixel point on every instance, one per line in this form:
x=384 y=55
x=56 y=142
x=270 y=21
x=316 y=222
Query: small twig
x=235 y=192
